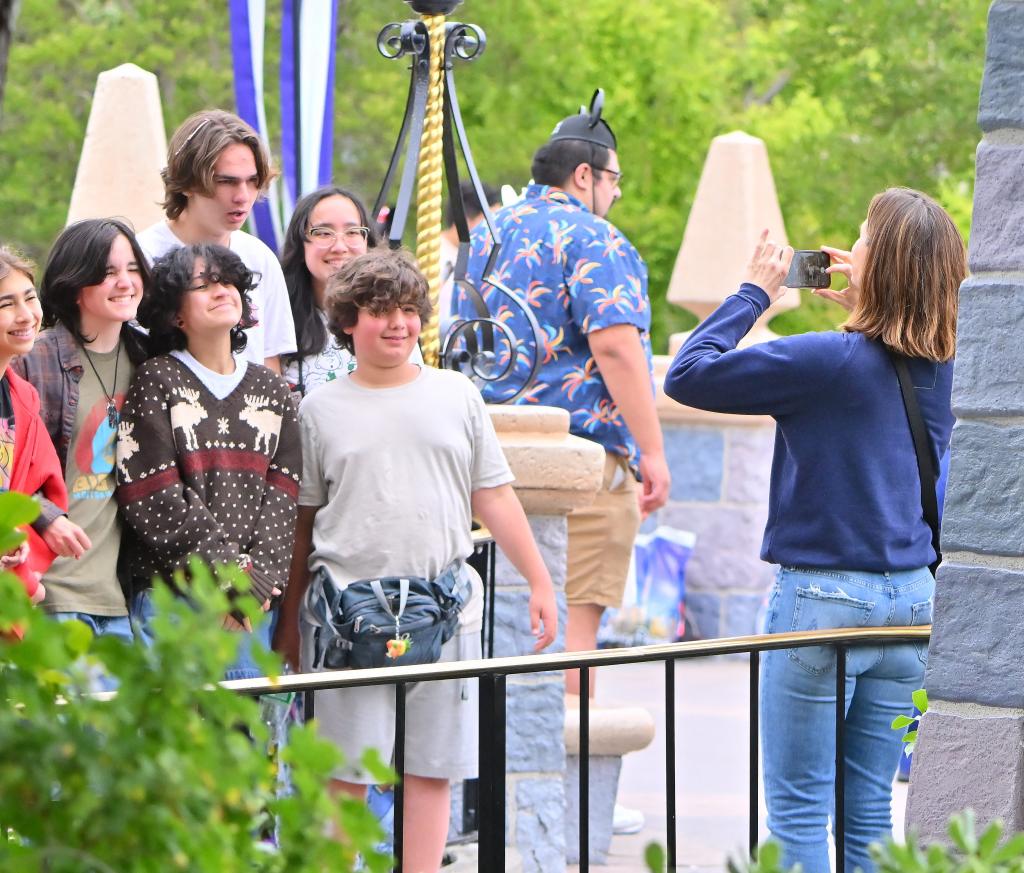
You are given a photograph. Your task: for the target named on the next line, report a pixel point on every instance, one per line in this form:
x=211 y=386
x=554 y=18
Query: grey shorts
x=441 y=735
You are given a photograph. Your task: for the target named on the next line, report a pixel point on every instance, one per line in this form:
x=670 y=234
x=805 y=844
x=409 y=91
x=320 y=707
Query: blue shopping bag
x=654 y=606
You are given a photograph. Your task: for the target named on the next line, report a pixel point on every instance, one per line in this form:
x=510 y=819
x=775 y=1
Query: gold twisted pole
x=428 y=193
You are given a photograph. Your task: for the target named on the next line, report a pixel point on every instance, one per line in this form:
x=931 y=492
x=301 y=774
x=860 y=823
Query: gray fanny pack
x=388 y=621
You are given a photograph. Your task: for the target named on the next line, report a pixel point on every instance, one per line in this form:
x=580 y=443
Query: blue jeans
x=142 y=612
x=798 y=697
x=118 y=626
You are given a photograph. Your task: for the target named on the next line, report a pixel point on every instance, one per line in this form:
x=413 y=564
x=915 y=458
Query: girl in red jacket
x=28 y=460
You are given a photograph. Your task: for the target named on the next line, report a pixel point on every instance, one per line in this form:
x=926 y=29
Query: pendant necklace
x=113 y=416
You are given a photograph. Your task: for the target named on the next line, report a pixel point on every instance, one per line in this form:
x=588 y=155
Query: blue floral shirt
x=577 y=273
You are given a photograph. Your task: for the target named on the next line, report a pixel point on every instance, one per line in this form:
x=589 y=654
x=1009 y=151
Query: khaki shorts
x=601 y=539
x=441 y=734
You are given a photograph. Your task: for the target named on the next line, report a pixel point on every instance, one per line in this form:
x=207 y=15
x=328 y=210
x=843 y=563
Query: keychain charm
x=398 y=646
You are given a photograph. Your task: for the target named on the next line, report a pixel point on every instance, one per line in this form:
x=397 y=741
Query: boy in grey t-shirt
x=397 y=460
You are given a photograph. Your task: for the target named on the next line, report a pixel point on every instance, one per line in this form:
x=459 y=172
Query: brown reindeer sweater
x=208 y=477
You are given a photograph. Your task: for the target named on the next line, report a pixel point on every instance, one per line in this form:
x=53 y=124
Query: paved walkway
x=711 y=758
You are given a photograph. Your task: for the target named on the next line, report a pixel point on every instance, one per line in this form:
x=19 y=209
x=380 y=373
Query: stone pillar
x=970 y=751
x=555 y=473
x=721 y=463
x=124 y=150
x=735 y=201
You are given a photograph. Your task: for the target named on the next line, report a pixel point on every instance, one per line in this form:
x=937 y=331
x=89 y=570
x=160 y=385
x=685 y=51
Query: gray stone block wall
x=970 y=751
x=603 y=782
x=535 y=712
x=720 y=476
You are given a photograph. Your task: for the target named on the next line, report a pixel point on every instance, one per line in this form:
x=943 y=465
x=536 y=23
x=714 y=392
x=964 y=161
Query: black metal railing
x=492 y=675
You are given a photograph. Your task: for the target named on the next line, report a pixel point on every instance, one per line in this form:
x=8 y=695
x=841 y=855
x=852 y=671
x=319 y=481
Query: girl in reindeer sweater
x=208 y=458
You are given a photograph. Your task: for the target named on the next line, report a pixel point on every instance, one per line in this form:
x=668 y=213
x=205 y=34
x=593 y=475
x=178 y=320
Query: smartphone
x=808 y=270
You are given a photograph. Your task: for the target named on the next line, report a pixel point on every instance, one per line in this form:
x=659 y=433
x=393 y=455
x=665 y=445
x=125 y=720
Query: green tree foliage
x=59 y=50
x=849 y=97
x=170 y=774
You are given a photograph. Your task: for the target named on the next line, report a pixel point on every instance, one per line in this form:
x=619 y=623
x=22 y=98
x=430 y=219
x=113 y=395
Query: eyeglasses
x=616 y=173
x=325 y=237
x=206 y=280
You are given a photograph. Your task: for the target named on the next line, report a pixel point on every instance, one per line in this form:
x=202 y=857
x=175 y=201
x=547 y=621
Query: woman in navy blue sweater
x=845 y=521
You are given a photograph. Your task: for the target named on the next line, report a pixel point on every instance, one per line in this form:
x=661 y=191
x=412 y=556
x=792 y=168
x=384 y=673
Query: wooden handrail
x=574 y=660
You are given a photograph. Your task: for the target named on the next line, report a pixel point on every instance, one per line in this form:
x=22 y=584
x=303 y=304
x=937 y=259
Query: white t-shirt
x=392 y=471
x=330 y=363
x=274 y=333
x=220 y=385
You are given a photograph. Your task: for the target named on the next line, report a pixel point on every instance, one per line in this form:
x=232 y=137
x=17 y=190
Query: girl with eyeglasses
x=329 y=227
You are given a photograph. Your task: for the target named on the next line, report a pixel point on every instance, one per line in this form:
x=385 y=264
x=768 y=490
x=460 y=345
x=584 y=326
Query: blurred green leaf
x=17 y=509
x=654 y=857
x=920 y=698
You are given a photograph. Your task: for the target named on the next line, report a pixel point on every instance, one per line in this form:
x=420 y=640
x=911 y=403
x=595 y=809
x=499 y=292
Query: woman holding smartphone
x=208 y=456
x=845 y=521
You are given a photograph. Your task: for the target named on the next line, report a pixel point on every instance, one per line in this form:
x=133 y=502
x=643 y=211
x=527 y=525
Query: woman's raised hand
x=842 y=263
x=768 y=266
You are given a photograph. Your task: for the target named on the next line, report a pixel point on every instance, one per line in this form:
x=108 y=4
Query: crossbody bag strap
x=403 y=596
x=925 y=467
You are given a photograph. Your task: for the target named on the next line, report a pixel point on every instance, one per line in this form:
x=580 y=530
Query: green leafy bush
x=966 y=852
x=172 y=772
x=920 y=698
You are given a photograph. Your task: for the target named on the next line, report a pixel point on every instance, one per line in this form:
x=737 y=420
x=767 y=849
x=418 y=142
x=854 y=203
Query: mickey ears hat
x=587 y=126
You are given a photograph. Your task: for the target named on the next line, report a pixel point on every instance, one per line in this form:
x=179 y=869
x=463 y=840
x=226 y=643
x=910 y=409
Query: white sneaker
x=626 y=820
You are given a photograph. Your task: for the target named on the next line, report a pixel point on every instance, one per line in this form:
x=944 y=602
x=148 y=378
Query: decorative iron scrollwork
x=471 y=345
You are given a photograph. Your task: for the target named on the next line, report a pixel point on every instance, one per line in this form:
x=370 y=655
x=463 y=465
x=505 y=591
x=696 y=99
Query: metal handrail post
x=399 y=819
x=584 y=776
x=839 y=819
x=491 y=832
x=753 y=806
x=670 y=763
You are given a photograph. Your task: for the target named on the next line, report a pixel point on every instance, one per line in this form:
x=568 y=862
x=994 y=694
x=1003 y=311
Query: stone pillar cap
x=614 y=730
x=124 y=150
x=735 y=201
x=555 y=471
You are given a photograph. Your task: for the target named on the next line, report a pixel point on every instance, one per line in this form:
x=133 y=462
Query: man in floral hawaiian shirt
x=587 y=286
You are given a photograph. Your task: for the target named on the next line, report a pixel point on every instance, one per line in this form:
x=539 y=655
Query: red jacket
x=36 y=469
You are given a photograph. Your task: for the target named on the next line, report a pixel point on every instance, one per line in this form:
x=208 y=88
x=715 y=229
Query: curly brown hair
x=172 y=281
x=379 y=281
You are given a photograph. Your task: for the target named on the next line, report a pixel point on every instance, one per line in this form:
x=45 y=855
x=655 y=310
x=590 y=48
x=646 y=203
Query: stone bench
x=614 y=731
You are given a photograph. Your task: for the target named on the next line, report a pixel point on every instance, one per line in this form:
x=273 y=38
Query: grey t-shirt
x=393 y=471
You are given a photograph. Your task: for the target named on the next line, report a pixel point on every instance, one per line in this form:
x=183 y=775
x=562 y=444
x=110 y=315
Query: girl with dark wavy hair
x=81 y=365
x=846 y=522
x=209 y=459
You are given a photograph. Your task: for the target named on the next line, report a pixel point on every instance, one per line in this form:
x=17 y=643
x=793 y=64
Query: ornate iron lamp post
x=431 y=129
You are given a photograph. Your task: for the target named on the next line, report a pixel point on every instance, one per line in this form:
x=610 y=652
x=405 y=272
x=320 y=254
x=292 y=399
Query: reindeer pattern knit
x=216 y=478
